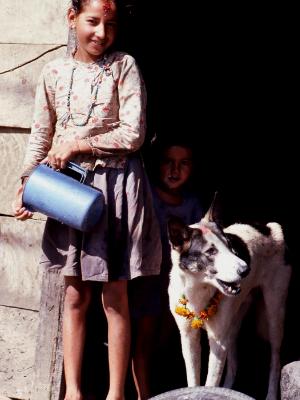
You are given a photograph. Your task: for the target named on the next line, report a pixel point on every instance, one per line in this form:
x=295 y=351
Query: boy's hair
x=159 y=146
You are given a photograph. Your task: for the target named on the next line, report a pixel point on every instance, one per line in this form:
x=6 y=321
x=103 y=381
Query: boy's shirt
x=190 y=211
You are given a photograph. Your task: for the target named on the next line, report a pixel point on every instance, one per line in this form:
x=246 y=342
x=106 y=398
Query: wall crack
x=33 y=59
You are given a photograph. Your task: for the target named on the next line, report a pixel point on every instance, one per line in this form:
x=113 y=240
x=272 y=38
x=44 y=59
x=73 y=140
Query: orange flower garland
x=197 y=320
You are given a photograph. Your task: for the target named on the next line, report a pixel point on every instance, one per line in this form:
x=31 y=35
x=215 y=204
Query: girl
x=148 y=296
x=90 y=108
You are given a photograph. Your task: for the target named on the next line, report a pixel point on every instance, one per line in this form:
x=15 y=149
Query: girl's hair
x=78 y=5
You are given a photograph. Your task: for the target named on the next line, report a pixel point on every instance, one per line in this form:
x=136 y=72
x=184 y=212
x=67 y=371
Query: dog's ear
x=179 y=232
x=213 y=213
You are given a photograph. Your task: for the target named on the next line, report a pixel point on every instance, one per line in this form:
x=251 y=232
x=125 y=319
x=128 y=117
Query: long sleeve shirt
x=65 y=92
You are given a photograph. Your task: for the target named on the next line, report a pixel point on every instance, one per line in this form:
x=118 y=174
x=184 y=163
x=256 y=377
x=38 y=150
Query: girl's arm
x=127 y=135
x=40 y=138
x=43 y=125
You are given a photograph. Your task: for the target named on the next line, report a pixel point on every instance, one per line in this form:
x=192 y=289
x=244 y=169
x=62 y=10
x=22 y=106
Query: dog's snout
x=244 y=271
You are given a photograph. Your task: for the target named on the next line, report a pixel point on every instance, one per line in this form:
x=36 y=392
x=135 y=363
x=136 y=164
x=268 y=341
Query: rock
x=202 y=393
x=290 y=381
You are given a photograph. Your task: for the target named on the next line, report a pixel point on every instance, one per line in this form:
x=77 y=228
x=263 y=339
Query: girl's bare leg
x=115 y=304
x=77 y=299
x=141 y=361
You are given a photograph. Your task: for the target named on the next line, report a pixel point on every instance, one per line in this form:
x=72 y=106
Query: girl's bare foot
x=114 y=397
x=73 y=395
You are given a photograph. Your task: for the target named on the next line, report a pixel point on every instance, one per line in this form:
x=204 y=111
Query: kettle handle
x=82 y=172
x=75 y=167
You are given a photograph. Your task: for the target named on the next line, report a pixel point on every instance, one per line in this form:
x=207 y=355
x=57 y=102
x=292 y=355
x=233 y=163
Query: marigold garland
x=197 y=320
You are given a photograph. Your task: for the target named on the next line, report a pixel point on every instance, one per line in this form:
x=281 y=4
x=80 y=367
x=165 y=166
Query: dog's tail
x=276 y=232
x=281 y=236
x=279 y=241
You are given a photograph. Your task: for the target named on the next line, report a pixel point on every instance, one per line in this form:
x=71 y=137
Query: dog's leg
x=275 y=311
x=275 y=325
x=232 y=355
x=191 y=350
x=217 y=358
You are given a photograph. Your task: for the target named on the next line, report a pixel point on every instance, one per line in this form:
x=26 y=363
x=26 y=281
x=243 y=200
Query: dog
x=212 y=277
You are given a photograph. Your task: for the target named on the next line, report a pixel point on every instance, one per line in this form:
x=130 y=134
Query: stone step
x=290 y=381
x=202 y=393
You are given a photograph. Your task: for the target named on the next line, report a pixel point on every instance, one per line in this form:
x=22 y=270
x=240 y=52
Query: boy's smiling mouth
x=173 y=178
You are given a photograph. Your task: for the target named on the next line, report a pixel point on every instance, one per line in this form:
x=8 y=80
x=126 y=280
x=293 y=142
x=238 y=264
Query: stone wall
x=32 y=33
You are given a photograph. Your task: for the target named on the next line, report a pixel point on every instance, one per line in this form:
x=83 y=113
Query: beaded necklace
x=94 y=93
x=197 y=320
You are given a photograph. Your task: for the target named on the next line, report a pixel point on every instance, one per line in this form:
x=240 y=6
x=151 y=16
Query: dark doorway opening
x=223 y=77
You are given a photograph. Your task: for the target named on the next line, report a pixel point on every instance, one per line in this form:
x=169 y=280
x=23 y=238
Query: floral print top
x=116 y=126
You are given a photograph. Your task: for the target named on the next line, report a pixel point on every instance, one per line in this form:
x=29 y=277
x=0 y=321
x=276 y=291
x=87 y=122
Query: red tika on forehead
x=107 y=7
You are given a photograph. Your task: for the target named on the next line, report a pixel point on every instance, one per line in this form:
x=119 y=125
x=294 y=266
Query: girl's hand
x=19 y=211
x=60 y=154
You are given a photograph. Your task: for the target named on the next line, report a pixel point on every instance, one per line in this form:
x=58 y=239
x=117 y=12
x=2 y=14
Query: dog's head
x=203 y=249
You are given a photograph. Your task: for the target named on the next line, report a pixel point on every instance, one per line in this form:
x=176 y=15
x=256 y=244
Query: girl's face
x=96 y=27
x=176 y=167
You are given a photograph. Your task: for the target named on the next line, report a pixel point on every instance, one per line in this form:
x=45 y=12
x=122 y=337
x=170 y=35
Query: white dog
x=211 y=280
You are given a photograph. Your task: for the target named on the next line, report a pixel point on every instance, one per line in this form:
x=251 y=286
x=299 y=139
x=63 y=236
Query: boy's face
x=176 y=167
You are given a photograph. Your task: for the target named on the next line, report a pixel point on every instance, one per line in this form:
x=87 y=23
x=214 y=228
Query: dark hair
x=77 y=5
x=159 y=145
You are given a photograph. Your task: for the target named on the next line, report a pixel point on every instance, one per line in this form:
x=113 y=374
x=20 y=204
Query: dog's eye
x=211 y=251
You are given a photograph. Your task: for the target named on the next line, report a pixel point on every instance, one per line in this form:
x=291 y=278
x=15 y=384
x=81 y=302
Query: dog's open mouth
x=231 y=288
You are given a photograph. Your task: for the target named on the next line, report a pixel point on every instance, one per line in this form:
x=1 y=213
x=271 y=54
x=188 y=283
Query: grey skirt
x=124 y=244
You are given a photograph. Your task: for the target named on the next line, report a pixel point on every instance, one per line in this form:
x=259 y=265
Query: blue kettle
x=63 y=196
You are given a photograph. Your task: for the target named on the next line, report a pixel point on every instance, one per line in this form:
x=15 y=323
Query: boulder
x=290 y=381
